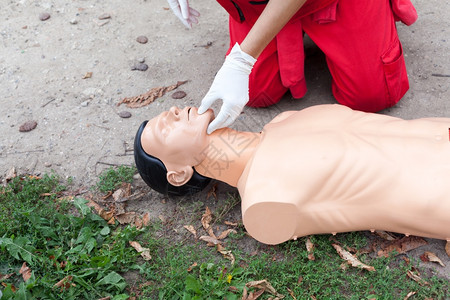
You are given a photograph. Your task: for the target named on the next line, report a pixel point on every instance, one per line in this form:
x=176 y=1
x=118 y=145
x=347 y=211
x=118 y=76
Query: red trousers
x=358 y=38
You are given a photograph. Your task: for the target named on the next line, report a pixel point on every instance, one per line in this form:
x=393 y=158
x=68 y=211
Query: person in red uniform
x=266 y=55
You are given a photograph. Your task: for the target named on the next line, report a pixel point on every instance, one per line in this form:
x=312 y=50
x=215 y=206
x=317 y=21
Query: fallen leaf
x=150 y=96
x=206 y=220
x=225 y=233
x=212 y=192
x=64 y=283
x=416 y=278
x=385 y=235
x=107 y=298
x=351 y=259
x=430 y=256
x=310 y=249
x=105 y=215
x=10 y=174
x=146 y=219
x=144 y=252
x=138 y=222
x=292 y=294
x=126 y=218
x=410 y=294
x=231 y=223
x=25 y=271
x=226 y=253
x=6 y=276
x=447 y=248
x=118 y=195
x=402 y=245
x=265 y=285
x=210 y=239
x=191 y=229
x=87 y=75
x=192 y=266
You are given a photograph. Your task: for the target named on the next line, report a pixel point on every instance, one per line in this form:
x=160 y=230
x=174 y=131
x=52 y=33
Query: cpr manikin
x=324 y=169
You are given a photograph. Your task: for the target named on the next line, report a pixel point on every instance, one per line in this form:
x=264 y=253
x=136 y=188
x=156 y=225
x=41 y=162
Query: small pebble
x=178 y=95
x=139 y=67
x=124 y=114
x=44 y=16
x=104 y=16
x=74 y=21
x=28 y=126
x=47 y=164
x=142 y=39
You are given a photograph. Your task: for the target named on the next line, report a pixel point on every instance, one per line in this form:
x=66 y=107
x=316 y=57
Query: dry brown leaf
x=226 y=253
x=351 y=259
x=112 y=221
x=430 y=256
x=410 y=294
x=385 y=235
x=416 y=278
x=191 y=229
x=292 y=294
x=64 y=283
x=126 y=218
x=10 y=174
x=118 y=195
x=310 y=249
x=25 y=271
x=138 y=222
x=254 y=295
x=106 y=215
x=6 y=276
x=210 y=239
x=146 y=219
x=144 y=252
x=225 y=233
x=206 y=220
x=94 y=204
x=231 y=223
x=265 y=285
x=447 y=248
x=212 y=192
x=192 y=266
x=87 y=75
x=402 y=245
x=150 y=96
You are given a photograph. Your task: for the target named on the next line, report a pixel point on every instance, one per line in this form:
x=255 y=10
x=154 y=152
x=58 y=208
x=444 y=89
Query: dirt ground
x=44 y=76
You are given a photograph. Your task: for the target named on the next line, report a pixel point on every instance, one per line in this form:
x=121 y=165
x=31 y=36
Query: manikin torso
x=328 y=169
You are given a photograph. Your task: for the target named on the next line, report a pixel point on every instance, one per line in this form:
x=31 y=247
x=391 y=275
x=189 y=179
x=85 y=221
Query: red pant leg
x=363 y=53
x=265 y=87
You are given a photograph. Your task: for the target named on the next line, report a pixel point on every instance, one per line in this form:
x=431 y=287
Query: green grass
x=57 y=239
x=112 y=178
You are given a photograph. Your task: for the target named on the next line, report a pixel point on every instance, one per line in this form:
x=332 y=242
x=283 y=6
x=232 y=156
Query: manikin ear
x=181 y=176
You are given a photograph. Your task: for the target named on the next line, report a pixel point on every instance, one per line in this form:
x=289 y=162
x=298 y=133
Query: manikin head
x=168 y=146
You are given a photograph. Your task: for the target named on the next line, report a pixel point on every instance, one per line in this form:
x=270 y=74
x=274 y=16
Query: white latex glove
x=186 y=14
x=230 y=85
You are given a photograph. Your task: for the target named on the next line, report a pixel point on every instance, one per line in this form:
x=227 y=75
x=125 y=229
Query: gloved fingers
x=193 y=12
x=184 y=7
x=207 y=102
x=220 y=121
x=192 y=20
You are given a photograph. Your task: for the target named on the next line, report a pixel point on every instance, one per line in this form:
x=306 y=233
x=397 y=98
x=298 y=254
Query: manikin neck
x=227 y=154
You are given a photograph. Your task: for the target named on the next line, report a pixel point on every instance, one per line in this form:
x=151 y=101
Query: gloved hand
x=230 y=85
x=186 y=14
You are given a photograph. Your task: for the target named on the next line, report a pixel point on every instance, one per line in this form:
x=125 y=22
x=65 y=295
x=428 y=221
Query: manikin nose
x=175 y=111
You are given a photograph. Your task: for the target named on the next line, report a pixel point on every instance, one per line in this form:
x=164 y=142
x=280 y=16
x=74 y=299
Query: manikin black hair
x=154 y=172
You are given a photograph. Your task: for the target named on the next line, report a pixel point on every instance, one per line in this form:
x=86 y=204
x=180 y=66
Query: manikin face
x=177 y=137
